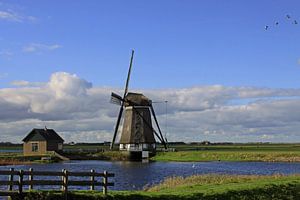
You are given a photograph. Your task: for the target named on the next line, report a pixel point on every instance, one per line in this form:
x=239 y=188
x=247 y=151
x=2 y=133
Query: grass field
x=234 y=152
x=200 y=187
x=239 y=147
x=194 y=156
x=19 y=159
x=191 y=153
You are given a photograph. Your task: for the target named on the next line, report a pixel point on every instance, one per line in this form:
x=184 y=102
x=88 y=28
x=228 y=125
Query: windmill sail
x=122 y=103
x=116 y=99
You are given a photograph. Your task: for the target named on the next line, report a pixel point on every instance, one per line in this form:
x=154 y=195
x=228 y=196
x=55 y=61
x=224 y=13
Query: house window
x=60 y=146
x=34 y=147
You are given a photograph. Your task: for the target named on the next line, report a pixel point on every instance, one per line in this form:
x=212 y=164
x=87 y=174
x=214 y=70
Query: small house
x=42 y=141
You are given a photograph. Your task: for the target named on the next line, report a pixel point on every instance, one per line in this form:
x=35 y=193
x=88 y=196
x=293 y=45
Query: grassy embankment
x=246 y=152
x=193 y=153
x=105 y=155
x=200 y=187
x=19 y=159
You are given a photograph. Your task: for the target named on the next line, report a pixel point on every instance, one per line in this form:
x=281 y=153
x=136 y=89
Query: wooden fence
x=28 y=178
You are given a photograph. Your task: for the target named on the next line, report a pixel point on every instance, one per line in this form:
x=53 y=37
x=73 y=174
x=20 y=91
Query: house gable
x=34 y=136
x=43 y=135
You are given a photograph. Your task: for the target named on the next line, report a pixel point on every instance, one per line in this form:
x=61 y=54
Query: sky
x=225 y=76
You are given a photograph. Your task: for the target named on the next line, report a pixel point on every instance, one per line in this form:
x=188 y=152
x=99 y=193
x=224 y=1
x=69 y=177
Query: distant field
x=235 y=152
x=238 y=147
x=188 y=147
x=193 y=153
x=194 y=156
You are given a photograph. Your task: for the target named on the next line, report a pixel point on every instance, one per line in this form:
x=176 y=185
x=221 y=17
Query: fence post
x=21 y=182
x=66 y=183
x=11 y=179
x=62 y=180
x=92 y=180
x=105 y=183
x=30 y=178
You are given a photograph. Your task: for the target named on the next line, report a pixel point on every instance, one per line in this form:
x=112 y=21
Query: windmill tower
x=138 y=133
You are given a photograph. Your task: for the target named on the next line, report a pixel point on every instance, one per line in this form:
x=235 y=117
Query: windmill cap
x=137 y=99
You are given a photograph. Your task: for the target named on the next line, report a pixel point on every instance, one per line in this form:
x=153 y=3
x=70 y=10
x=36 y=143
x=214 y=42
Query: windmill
x=138 y=133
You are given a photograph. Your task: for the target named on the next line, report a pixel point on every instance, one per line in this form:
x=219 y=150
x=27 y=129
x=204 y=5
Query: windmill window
x=34 y=147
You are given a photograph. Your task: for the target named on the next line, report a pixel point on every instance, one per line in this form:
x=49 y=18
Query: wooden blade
x=128 y=75
x=115 y=96
x=117 y=127
x=156 y=122
x=116 y=99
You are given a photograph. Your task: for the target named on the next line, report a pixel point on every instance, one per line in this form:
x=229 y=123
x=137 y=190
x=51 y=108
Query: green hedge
x=271 y=192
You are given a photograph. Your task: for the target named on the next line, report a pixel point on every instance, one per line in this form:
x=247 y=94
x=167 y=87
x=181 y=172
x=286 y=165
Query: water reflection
x=135 y=175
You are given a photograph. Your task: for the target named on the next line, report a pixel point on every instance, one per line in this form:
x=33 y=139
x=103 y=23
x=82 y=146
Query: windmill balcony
x=137 y=147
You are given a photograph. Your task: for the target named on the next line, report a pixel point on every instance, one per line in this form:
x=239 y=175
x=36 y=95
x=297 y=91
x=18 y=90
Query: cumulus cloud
x=66 y=85
x=82 y=113
x=38 y=47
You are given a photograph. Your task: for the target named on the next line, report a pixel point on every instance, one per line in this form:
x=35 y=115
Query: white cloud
x=6 y=54
x=22 y=83
x=265 y=136
x=81 y=112
x=10 y=15
x=37 y=47
x=65 y=85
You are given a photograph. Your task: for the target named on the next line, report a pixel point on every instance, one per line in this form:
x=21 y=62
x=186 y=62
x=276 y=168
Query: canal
x=136 y=175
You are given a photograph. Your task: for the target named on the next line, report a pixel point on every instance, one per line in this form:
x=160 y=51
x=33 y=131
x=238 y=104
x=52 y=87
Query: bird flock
x=288 y=19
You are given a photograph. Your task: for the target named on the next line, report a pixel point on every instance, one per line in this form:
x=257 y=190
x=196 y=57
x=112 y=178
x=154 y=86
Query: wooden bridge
x=28 y=178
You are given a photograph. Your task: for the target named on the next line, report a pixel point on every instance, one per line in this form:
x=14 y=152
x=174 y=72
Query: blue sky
x=225 y=77
x=177 y=43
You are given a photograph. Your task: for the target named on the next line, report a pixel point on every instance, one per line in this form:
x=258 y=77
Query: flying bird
x=276 y=23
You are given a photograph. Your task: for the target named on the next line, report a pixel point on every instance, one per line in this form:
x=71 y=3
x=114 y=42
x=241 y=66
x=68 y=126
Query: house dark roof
x=42 y=135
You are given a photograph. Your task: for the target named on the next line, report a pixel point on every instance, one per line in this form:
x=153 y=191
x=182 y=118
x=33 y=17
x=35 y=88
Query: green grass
x=199 y=187
x=234 y=152
x=194 y=156
x=239 y=147
x=19 y=159
x=15 y=147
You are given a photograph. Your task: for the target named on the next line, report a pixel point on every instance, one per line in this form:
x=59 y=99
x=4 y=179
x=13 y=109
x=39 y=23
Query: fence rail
x=28 y=178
